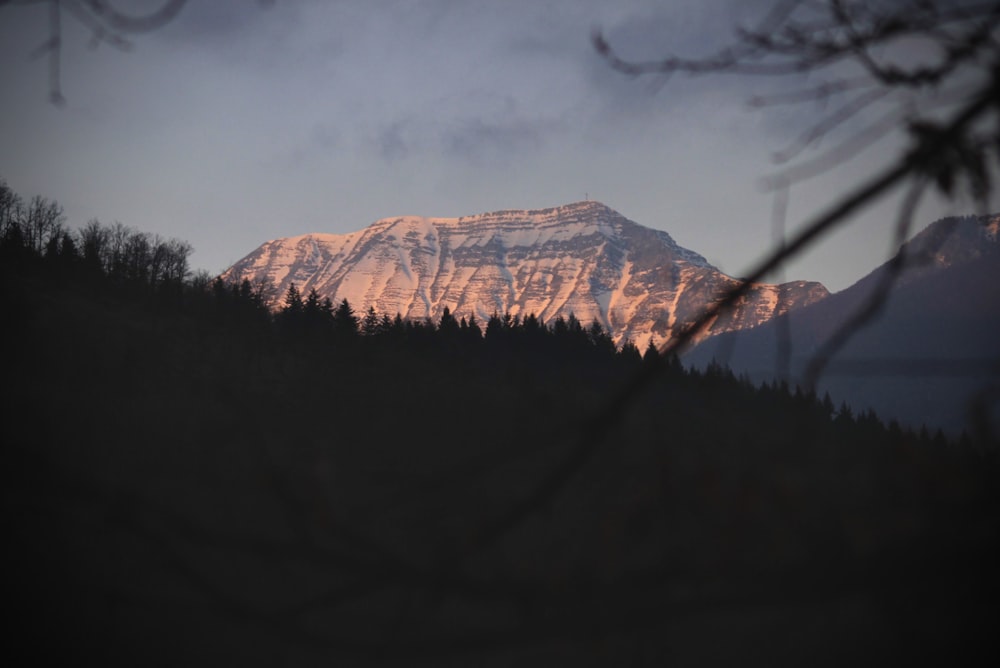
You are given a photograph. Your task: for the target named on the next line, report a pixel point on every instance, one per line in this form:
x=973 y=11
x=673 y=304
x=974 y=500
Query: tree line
x=35 y=240
x=35 y=230
x=35 y=233
x=315 y=314
x=420 y=477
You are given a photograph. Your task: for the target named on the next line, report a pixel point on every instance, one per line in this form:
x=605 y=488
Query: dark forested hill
x=191 y=481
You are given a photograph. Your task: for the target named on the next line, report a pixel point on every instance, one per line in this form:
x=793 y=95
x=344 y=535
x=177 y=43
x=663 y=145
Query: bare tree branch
x=877 y=299
x=105 y=23
x=921 y=160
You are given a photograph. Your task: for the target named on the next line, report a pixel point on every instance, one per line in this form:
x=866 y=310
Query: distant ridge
x=925 y=357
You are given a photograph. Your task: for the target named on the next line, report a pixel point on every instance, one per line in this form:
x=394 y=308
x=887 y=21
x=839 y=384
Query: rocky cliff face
x=582 y=259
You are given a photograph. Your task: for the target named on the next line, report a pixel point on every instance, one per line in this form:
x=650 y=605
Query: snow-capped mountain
x=582 y=259
x=931 y=356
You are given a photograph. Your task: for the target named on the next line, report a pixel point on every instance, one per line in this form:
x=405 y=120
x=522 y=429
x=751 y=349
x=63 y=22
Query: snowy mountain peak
x=582 y=258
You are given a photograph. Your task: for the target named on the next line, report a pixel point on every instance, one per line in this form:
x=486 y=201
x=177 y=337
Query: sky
x=242 y=121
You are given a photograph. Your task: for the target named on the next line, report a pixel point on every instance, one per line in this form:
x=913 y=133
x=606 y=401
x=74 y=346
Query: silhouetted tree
x=600 y=339
x=448 y=327
x=327 y=308
x=292 y=313
x=10 y=207
x=474 y=333
x=652 y=353
x=629 y=352
x=559 y=327
x=312 y=311
x=43 y=221
x=345 y=323
x=495 y=330
x=371 y=324
x=94 y=239
x=385 y=324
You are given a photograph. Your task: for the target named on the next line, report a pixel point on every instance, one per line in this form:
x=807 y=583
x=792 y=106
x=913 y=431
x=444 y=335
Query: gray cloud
x=482 y=140
x=393 y=142
x=241 y=122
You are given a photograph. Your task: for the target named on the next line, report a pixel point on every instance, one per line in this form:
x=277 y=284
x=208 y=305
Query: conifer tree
x=448 y=326
x=292 y=313
x=559 y=327
x=494 y=328
x=531 y=324
x=312 y=311
x=828 y=408
x=845 y=414
x=327 y=308
x=652 y=354
x=293 y=301
x=397 y=323
x=599 y=338
x=475 y=333
x=345 y=323
x=629 y=352
x=370 y=324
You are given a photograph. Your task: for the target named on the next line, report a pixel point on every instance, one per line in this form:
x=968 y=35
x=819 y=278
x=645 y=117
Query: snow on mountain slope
x=582 y=259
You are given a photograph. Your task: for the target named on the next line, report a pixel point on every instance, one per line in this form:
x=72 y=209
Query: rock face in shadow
x=930 y=356
x=582 y=259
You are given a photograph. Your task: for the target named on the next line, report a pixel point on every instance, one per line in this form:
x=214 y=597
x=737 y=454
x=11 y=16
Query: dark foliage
x=191 y=480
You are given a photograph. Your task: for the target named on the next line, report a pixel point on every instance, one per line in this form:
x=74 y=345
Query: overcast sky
x=242 y=121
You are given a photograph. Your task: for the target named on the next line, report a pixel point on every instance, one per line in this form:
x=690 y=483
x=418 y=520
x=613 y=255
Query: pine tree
x=474 y=333
x=246 y=292
x=370 y=325
x=312 y=310
x=828 y=408
x=292 y=314
x=559 y=327
x=652 y=354
x=600 y=339
x=845 y=415
x=448 y=326
x=293 y=301
x=474 y=329
x=494 y=329
x=327 y=308
x=345 y=323
x=629 y=352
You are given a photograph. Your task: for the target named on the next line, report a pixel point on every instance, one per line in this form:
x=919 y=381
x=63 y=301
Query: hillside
x=192 y=482
x=929 y=357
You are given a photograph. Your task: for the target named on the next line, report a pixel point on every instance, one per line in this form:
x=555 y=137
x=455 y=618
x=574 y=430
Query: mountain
x=582 y=259
x=929 y=357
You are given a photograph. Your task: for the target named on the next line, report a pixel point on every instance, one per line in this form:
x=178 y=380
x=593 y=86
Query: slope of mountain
x=179 y=491
x=929 y=357
x=582 y=259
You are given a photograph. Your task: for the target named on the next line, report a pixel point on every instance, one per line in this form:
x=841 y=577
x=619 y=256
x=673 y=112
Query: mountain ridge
x=581 y=258
x=932 y=347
